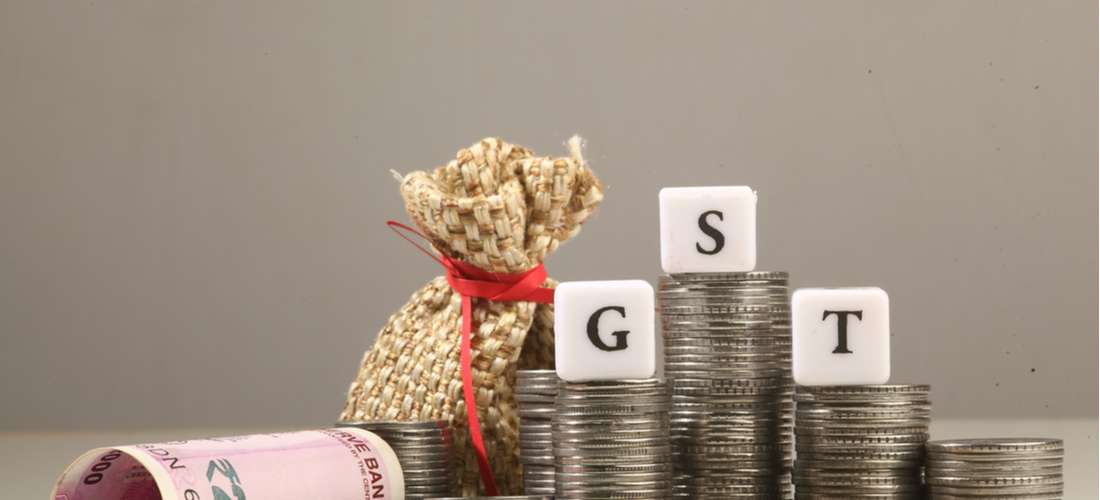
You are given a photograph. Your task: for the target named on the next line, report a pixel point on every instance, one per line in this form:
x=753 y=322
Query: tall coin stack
x=611 y=440
x=727 y=344
x=861 y=441
x=535 y=393
x=424 y=449
x=1021 y=468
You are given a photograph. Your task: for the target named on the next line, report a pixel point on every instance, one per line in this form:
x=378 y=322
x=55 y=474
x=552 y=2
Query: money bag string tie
x=470 y=281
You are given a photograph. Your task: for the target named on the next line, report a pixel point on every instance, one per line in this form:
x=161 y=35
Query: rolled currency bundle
x=535 y=393
x=861 y=441
x=1019 y=468
x=330 y=463
x=611 y=440
x=728 y=362
x=425 y=450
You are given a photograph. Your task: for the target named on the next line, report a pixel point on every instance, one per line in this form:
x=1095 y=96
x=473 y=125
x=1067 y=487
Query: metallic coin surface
x=861 y=441
x=610 y=439
x=995 y=468
x=425 y=451
x=727 y=345
x=535 y=392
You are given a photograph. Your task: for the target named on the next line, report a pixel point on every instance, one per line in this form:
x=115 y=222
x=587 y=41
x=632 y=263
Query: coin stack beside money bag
x=425 y=450
x=611 y=418
x=536 y=391
x=492 y=216
x=727 y=347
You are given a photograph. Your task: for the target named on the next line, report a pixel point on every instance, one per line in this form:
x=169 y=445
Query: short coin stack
x=727 y=359
x=425 y=451
x=611 y=440
x=535 y=393
x=995 y=468
x=862 y=441
x=514 y=497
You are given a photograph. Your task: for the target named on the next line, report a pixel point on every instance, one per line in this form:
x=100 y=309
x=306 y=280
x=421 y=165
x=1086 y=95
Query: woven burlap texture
x=503 y=209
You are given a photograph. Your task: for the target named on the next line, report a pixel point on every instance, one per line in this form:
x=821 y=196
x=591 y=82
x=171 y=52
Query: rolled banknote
x=331 y=464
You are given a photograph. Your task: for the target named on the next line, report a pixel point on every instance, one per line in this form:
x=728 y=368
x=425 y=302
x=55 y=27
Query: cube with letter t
x=708 y=229
x=840 y=336
x=604 y=330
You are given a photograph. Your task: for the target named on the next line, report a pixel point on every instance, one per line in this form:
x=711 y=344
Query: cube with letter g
x=604 y=330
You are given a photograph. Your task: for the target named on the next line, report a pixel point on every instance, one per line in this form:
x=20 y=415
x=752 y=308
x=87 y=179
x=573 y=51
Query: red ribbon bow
x=469 y=281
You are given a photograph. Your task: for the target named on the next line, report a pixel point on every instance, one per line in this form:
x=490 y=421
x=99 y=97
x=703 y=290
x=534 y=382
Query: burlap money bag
x=503 y=209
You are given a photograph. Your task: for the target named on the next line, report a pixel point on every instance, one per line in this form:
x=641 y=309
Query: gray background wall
x=192 y=193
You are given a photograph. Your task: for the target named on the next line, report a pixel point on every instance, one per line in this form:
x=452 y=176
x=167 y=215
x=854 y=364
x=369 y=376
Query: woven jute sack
x=503 y=209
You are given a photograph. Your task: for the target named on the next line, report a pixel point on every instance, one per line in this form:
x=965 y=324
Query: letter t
x=842 y=328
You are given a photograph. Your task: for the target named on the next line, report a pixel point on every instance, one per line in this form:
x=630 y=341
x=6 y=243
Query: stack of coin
x=516 y=497
x=728 y=361
x=611 y=440
x=861 y=441
x=425 y=451
x=535 y=393
x=995 y=468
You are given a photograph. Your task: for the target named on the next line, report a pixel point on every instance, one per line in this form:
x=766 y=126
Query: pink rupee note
x=332 y=464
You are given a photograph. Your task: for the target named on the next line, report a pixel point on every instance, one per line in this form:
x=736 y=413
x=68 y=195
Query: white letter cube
x=708 y=229
x=604 y=330
x=840 y=336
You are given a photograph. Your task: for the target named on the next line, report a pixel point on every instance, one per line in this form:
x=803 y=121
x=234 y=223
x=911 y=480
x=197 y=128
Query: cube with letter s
x=708 y=229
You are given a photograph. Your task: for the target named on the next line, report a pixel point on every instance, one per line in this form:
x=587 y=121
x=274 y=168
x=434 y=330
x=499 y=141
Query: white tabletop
x=31 y=461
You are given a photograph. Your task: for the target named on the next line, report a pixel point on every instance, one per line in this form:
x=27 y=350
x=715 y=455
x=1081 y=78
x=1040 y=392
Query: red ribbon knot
x=470 y=281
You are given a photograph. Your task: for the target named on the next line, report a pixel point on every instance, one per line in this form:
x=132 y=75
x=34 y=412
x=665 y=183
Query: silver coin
x=727 y=356
x=611 y=440
x=997 y=491
x=536 y=391
x=855 y=441
x=512 y=497
x=996 y=445
x=424 y=449
x=995 y=467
